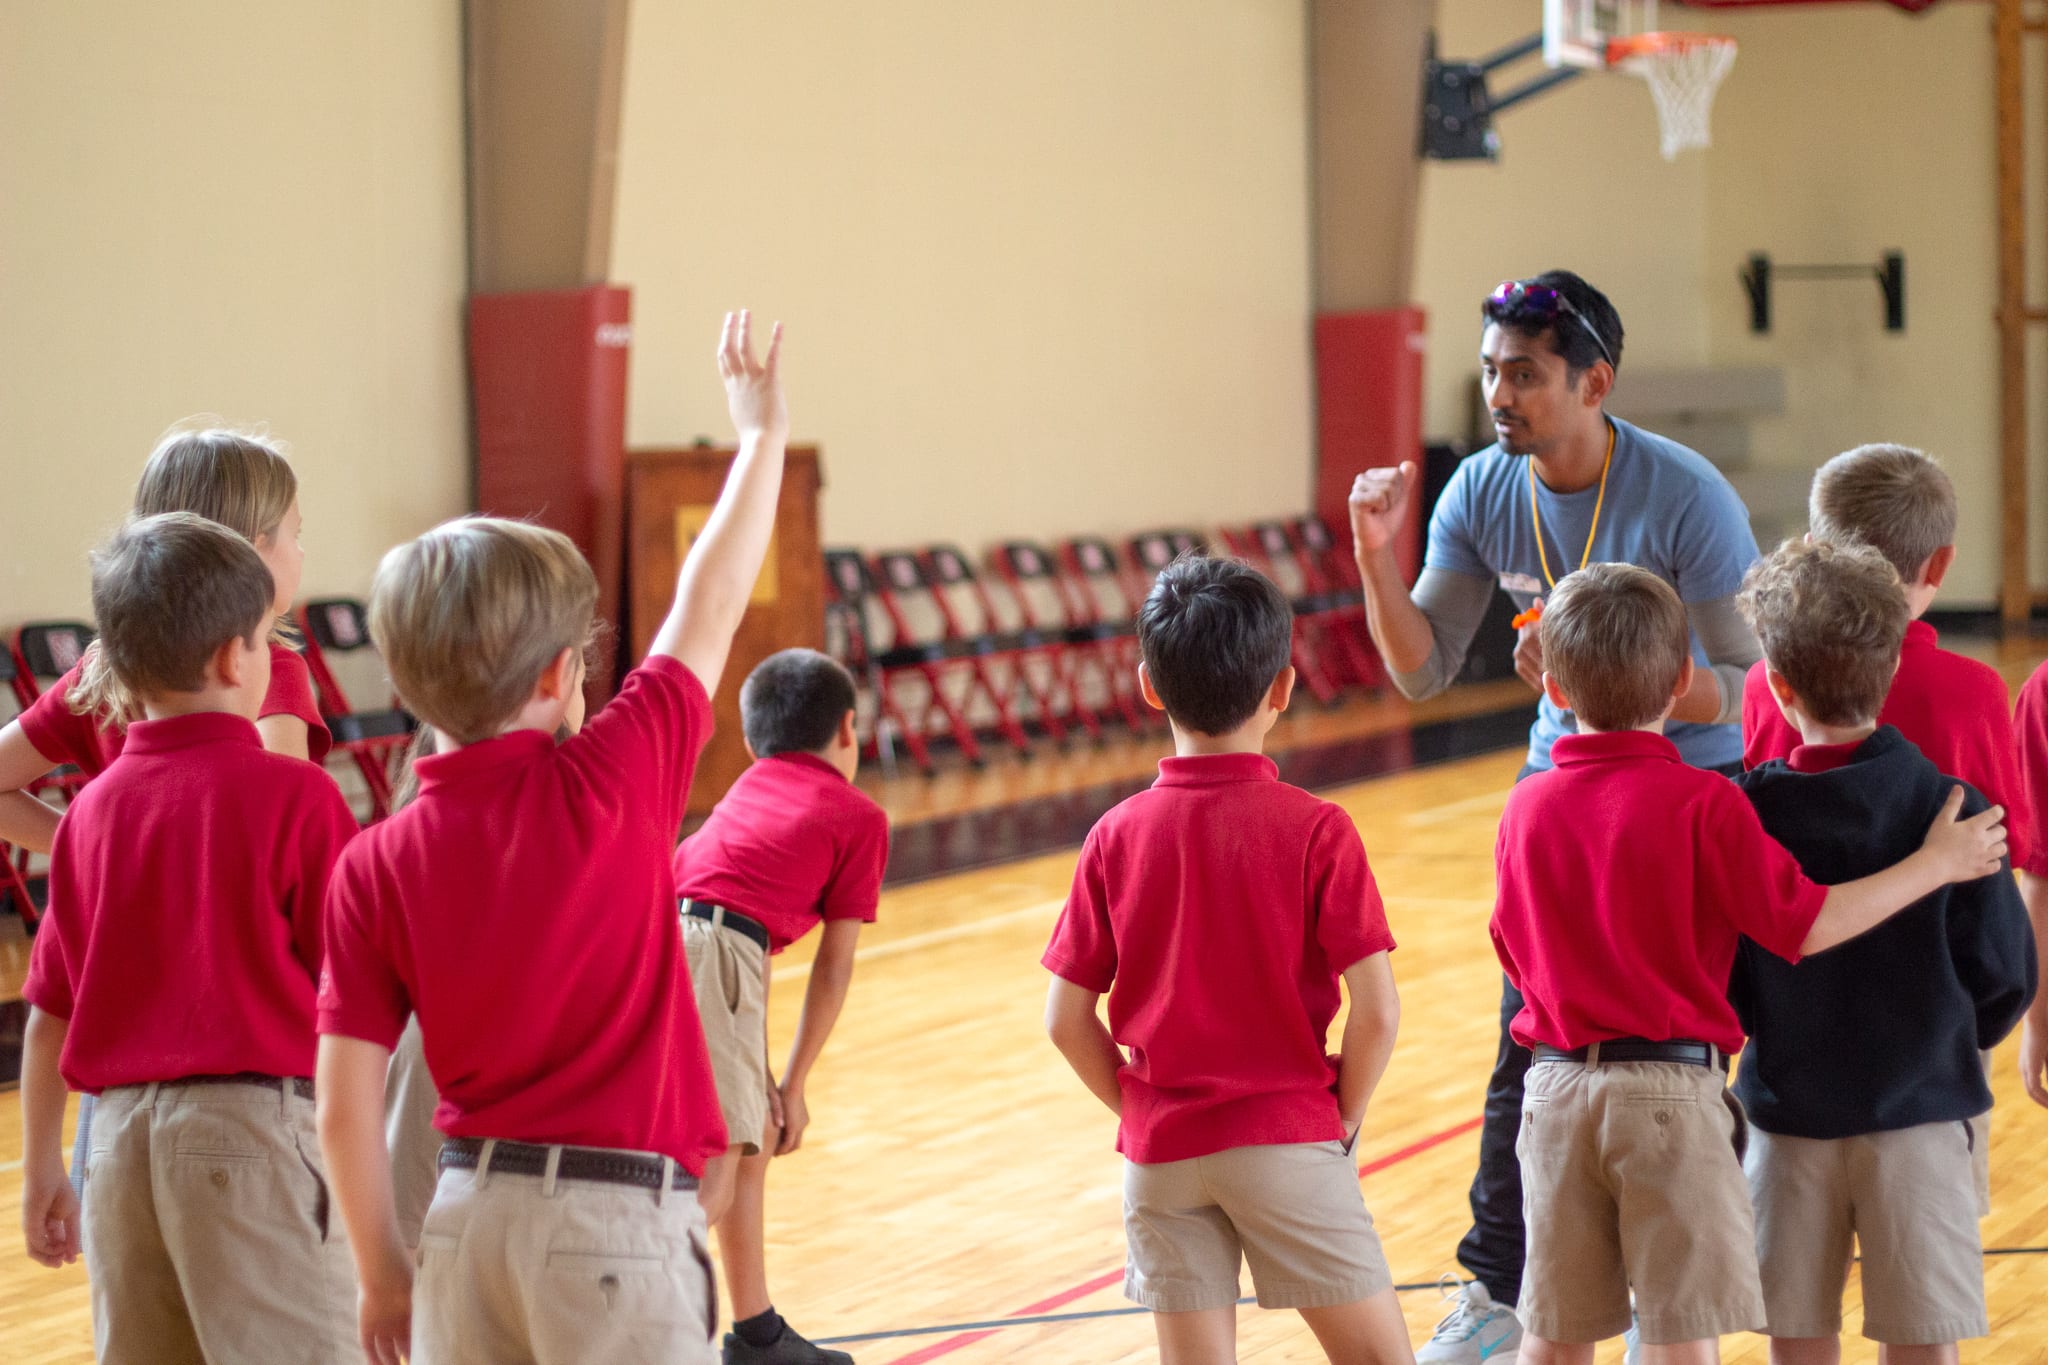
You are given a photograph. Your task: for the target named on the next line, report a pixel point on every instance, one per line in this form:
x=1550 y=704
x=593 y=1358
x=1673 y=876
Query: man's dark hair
x=793 y=702
x=1214 y=634
x=1570 y=336
x=168 y=591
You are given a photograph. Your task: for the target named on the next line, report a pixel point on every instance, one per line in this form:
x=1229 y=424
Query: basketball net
x=1683 y=70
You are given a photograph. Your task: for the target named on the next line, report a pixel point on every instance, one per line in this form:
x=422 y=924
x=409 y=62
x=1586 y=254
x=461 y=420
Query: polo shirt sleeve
x=361 y=995
x=59 y=733
x=855 y=890
x=323 y=830
x=291 y=694
x=1083 y=947
x=1987 y=723
x=645 y=741
x=1751 y=878
x=49 y=986
x=1351 y=920
x=1714 y=546
x=1450 y=546
x=2030 y=721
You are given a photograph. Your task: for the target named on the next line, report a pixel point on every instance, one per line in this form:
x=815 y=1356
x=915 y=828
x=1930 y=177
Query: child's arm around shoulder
x=718 y=574
x=1956 y=849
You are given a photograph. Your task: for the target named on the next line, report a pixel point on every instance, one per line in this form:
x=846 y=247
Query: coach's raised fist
x=1378 y=498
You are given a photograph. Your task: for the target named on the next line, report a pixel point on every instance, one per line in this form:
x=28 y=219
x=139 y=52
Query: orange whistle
x=1527 y=618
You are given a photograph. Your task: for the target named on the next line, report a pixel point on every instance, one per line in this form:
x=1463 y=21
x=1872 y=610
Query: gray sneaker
x=1477 y=1331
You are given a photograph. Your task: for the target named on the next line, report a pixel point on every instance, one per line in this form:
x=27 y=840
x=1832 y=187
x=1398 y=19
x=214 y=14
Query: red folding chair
x=1105 y=596
x=1329 y=556
x=848 y=595
x=1047 y=599
x=14 y=862
x=950 y=670
x=1266 y=548
x=377 y=740
x=43 y=653
x=1017 y=662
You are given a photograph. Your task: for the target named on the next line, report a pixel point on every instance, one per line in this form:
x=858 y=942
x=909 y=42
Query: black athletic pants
x=1493 y=1249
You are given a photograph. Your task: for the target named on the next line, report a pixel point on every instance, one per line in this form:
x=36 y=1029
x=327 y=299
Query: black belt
x=577 y=1163
x=1683 y=1051
x=732 y=919
x=302 y=1086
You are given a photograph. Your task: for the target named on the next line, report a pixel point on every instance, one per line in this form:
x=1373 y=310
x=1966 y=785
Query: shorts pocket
x=1741 y=1117
x=606 y=1285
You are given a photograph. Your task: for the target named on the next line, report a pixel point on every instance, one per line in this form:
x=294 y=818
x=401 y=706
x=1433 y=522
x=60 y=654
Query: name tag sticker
x=1520 y=582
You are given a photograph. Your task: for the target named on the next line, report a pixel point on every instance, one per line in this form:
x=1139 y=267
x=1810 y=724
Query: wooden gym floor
x=958 y=1197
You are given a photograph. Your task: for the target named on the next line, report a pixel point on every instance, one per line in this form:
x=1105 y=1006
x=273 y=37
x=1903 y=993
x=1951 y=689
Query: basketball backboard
x=1577 y=32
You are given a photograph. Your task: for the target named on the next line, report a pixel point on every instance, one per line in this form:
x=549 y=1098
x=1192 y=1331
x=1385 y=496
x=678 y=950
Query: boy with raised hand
x=1219 y=910
x=174 y=978
x=1862 y=1076
x=524 y=908
x=792 y=846
x=1626 y=881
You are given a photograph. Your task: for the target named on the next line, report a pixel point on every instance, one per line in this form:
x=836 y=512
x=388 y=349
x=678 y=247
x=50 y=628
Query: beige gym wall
x=1045 y=265
x=240 y=207
x=1817 y=160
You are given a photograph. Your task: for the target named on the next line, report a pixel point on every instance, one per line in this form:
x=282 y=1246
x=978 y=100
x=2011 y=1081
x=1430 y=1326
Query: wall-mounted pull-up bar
x=1890 y=274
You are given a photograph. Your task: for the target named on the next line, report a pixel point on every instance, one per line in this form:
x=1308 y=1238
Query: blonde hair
x=1894 y=499
x=469 y=615
x=1831 y=616
x=239 y=479
x=1615 y=638
x=168 y=592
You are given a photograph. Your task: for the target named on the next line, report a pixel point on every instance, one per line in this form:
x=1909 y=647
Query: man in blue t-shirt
x=1566 y=485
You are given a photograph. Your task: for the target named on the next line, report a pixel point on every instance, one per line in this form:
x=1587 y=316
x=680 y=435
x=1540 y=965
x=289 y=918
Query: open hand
x=753 y=388
x=1966 y=849
x=49 y=1218
x=1378 y=498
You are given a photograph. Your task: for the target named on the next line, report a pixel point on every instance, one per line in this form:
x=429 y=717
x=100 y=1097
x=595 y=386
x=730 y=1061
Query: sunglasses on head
x=1547 y=304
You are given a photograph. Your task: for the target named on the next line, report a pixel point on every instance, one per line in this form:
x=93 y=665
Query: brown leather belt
x=577 y=1163
x=729 y=919
x=1682 y=1051
x=302 y=1086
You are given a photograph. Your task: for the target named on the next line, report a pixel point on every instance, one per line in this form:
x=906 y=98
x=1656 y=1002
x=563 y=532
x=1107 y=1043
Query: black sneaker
x=788 y=1349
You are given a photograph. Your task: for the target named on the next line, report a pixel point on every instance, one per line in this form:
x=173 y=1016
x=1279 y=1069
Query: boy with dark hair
x=1626 y=881
x=523 y=907
x=794 y=844
x=1219 y=910
x=1862 y=1076
x=174 y=978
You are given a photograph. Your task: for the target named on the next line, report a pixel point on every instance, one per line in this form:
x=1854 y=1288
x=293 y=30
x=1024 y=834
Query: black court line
x=1133 y=1310
x=1003 y=834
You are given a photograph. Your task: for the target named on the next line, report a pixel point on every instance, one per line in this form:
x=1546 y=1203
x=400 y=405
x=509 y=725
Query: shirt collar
x=1208 y=770
x=518 y=746
x=1920 y=635
x=1571 y=751
x=1822 y=758
x=799 y=758
x=188 y=731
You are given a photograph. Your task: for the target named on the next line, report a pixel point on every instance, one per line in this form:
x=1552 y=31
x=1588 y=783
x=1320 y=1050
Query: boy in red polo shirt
x=1219 y=910
x=2030 y=721
x=794 y=844
x=174 y=978
x=1626 y=880
x=524 y=909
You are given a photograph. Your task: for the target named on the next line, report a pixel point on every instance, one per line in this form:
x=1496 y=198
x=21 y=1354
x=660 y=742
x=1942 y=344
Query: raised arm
x=718 y=574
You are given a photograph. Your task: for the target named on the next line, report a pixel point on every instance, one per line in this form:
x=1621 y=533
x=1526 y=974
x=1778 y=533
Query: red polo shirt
x=61 y=735
x=1625 y=880
x=523 y=906
x=2030 y=721
x=791 y=844
x=1954 y=709
x=184 y=931
x=1218 y=909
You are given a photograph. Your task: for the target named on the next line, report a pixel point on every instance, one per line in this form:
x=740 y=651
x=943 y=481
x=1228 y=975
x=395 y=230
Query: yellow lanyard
x=1537 y=517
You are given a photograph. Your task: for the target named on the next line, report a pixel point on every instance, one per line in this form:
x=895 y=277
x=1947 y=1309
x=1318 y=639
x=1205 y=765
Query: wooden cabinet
x=669 y=495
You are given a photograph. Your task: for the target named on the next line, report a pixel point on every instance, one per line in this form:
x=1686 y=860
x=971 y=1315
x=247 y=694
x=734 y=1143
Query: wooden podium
x=669 y=496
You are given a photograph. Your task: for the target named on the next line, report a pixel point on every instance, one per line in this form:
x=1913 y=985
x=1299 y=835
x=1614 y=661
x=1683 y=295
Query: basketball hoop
x=1683 y=70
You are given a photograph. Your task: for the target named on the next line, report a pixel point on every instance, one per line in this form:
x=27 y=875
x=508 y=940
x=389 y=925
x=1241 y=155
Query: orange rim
x=1653 y=44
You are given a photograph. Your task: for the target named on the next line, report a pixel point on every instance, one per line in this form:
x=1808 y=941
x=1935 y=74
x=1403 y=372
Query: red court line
x=1101 y=1282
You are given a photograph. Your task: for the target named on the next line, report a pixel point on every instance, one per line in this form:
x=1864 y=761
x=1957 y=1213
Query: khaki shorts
x=1293 y=1211
x=573 y=1272
x=732 y=1002
x=1632 y=1178
x=209 y=1232
x=409 y=1104
x=1905 y=1199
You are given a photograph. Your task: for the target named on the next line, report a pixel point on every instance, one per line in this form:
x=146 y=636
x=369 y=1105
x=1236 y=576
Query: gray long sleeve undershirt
x=1455 y=603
